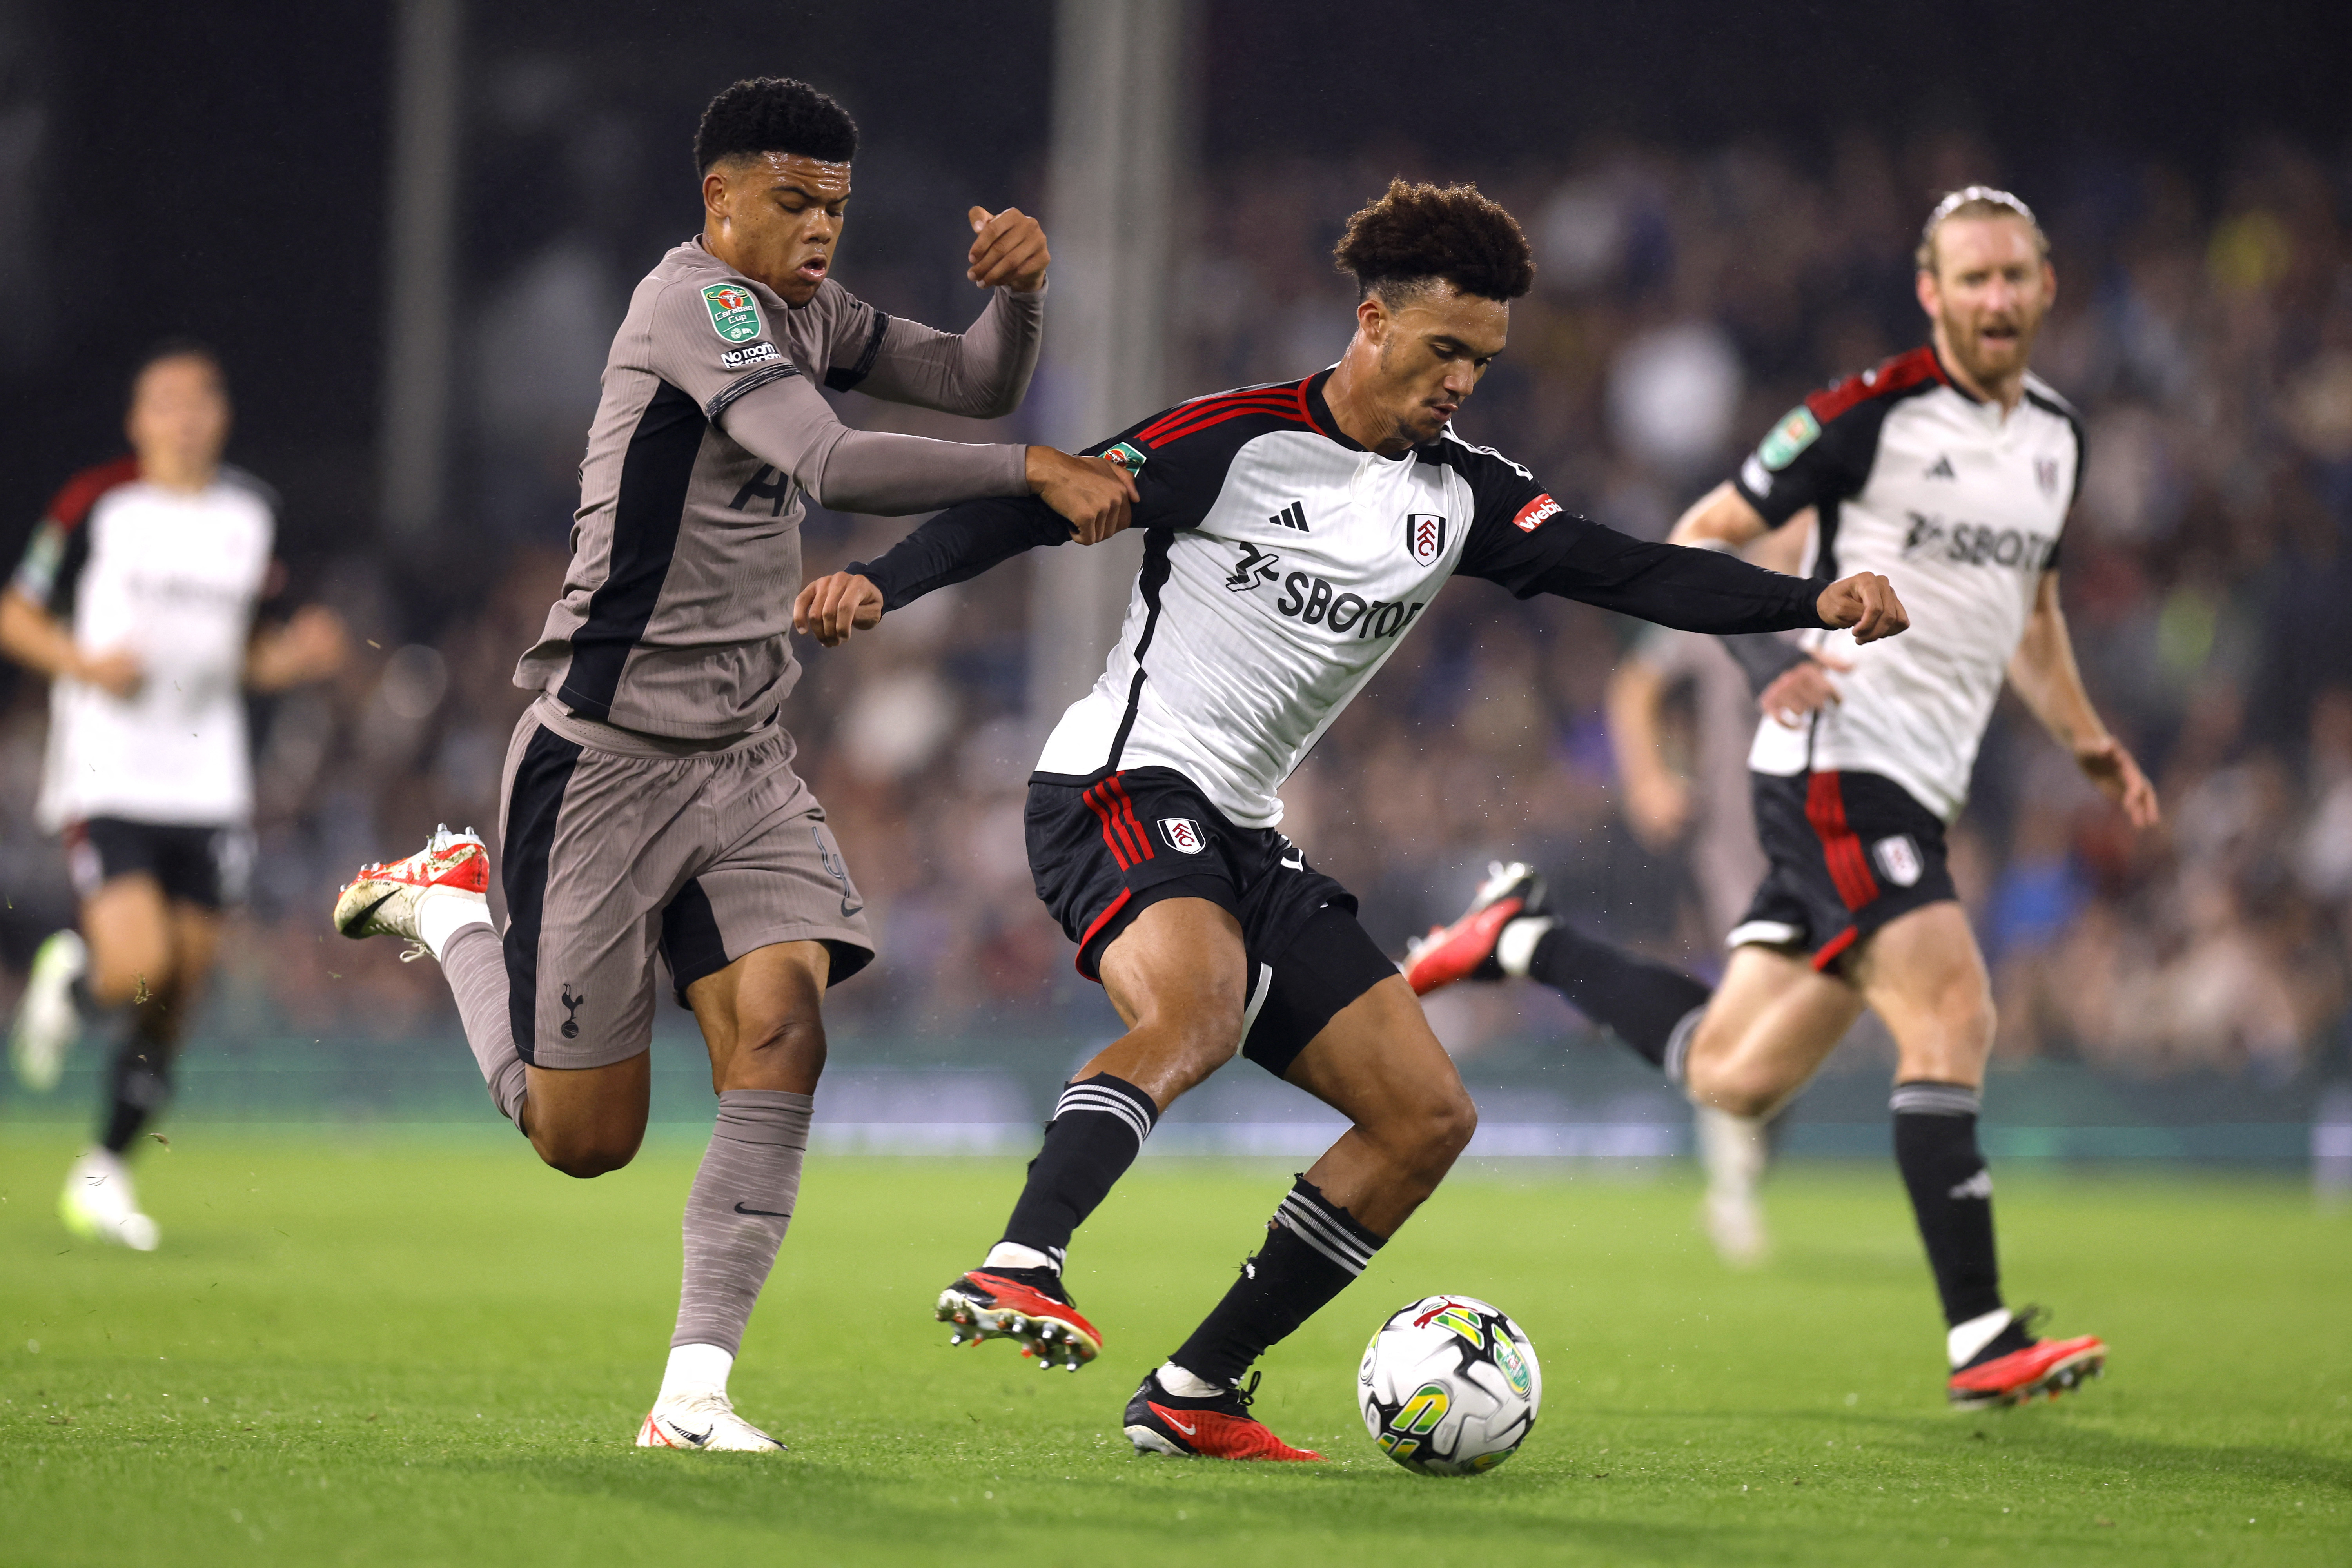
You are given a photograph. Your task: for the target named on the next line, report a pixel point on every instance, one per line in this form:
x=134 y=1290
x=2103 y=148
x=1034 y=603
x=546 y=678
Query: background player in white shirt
x=1950 y=468
x=136 y=597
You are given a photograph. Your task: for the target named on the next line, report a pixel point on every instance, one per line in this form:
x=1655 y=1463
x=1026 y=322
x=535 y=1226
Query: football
x=1449 y=1386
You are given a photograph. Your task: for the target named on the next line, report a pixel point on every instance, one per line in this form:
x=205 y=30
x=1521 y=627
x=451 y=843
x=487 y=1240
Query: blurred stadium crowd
x=1684 y=300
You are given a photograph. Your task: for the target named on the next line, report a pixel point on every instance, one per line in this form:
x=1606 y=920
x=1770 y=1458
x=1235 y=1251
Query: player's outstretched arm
x=958 y=543
x=2049 y=683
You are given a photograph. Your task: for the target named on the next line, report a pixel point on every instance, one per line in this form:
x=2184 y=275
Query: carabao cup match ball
x=1449 y=1386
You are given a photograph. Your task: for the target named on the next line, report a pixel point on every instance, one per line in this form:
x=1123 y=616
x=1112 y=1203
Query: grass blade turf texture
x=423 y=1348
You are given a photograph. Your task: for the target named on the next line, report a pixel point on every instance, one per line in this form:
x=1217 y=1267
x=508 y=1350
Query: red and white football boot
x=1025 y=1304
x=1218 y=1426
x=2049 y=1367
x=1466 y=950
x=386 y=899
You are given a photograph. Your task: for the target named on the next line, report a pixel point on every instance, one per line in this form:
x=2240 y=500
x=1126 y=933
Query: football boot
x=1466 y=950
x=706 y=1422
x=1218 y=1427
x=386 y=899
x=2049 y=1367
x=1029 y=1304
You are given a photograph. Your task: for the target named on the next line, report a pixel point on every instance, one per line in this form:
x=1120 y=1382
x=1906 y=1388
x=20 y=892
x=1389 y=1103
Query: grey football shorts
x=620 y=847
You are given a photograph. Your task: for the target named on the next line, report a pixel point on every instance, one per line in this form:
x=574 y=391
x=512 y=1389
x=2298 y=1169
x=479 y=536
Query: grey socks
x=476 y=964
x=738 y=1210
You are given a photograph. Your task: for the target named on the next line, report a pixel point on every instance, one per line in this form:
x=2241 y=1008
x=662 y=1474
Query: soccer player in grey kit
x=649 y=802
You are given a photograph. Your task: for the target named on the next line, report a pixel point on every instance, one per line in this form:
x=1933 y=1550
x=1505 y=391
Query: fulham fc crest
x=1425 y=537
x=1184 y=834
x=1898 y=859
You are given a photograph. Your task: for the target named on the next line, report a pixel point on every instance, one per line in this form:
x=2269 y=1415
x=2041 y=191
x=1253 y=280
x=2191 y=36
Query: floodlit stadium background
x=1723 y=211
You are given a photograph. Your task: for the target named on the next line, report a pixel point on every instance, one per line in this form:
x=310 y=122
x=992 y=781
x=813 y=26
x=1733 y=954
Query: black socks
x=1098 y=1127
x=1952 y=1193
x=1313 y=1249
x=138 y=1084
x=1642 y=1000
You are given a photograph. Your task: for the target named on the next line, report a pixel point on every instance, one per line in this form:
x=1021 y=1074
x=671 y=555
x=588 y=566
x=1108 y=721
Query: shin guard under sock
x=1640 y=999
x=1313 y=1249
x=1952 y=1192
x=737 y=1214
x=1098 y=1127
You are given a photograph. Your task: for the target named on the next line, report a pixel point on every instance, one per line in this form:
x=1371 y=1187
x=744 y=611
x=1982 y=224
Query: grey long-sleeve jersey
x=685 y=552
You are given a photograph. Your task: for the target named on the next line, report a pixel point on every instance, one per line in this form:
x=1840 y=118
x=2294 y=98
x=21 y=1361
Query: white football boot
x=706 y=1421
x=48 y=1023
x=1733 y=1149
x=441 y=887
x=99 y=1205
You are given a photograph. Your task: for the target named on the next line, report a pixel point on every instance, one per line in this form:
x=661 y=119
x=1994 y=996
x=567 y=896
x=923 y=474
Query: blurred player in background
x=1294 y=533
x=650 y=804
x=136 y=599
x=1951 y=469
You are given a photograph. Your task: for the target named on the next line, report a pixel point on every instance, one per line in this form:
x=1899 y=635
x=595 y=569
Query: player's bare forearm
x=310 y=647
x=1656 y=803
x=1722 y=516
x=41 y=642
x=2047 y=680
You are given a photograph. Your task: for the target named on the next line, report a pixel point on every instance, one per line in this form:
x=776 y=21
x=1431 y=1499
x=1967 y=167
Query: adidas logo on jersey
x=1292 y=516
x=1941 y=469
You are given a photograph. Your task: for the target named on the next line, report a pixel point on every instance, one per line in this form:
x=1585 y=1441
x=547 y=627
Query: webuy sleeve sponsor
x=1533 y=515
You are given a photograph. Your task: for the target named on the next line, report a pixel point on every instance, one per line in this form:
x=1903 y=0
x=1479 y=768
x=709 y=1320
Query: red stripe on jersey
x=1100 y=920
x=1283 y=412
x=1307 y=413
x=1900 y=373
x=1126 y=809
x=1114 y=832
x=1184 y=411
x=1834 y=948
x=1849 y=866
x=73 y=504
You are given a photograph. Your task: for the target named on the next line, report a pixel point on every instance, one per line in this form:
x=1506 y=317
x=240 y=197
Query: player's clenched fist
x=832 y=607
x=1094 y=495
x=1008 y=250
x=1866 y=605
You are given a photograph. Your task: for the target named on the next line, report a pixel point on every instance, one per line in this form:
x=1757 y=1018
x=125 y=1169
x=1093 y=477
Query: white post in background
x=1119 y=157
x=413 y=450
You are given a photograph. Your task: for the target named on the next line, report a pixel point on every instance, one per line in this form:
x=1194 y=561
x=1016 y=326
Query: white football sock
x=443 y=912
x=1013 y=1255
x=1515 y=948
x=694 y=1369
x=1183 y=1384
x=1967 y=1339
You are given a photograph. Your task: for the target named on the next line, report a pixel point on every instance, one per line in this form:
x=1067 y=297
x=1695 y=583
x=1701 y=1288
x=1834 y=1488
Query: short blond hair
x=1975 y=201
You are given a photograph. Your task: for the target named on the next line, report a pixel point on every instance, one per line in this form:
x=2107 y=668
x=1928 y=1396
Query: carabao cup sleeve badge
x=734 y=314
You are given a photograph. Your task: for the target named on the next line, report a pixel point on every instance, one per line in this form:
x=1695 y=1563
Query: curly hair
x=773 y=114
x=1419 y=234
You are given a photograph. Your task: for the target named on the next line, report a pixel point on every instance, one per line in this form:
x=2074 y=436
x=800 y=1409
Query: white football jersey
x=1281 y=564
x=174 y=579
x=1960 y=507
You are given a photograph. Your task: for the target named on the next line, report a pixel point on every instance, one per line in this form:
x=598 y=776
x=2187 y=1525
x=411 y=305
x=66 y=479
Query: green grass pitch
x=423 y=1348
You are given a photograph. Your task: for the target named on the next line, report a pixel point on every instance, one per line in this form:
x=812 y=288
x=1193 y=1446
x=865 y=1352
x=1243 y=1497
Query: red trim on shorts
x=1114 y=831
x=1102 y=920
x=1849 y=866
x=1834 y=949
x=1135 y=826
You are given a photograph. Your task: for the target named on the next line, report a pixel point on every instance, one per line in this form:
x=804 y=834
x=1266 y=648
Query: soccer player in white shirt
x=1294 y=532
x=136 y=598
x=1949 y=468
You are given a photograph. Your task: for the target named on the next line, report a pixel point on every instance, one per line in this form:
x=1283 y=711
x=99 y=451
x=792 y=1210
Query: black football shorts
x=194 y=864
x=1104 y=851
x=1849 y=853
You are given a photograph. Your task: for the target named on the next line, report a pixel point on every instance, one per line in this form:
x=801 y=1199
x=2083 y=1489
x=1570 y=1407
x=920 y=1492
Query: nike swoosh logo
x=771 y=1214
x=848 y=909
x=697 y=1438
x=361 y=919
x=1166 y=1414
